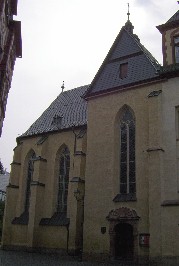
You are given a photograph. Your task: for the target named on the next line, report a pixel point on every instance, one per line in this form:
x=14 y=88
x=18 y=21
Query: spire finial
x=128 y=13
x=63 y=86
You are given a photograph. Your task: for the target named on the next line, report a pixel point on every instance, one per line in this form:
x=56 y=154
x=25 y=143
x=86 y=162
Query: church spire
x=128 y=26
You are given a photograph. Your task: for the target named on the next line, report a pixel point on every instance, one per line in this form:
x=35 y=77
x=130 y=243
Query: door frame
x=123 y=215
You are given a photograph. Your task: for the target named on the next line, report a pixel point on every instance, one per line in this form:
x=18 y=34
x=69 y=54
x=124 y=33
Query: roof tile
x=69 y=105
x=127 y=48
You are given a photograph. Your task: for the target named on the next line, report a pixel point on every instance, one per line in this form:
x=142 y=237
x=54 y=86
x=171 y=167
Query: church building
x=98 y=172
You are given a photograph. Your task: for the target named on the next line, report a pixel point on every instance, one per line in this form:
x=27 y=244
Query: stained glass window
x=64 y=167
x=127 y=153
x=30 y=171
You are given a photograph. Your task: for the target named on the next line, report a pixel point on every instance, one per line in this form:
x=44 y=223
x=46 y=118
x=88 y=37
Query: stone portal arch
x=118 y=218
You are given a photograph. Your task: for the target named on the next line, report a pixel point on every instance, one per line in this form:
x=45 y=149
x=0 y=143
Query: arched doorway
x=123 y=231
x=124 y=241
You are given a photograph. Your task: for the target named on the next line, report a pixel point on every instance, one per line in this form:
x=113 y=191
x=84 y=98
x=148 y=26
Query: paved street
x=20 y=258
x=17 y=258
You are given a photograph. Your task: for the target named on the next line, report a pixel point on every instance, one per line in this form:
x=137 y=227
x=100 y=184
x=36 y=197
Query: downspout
x=67 y=238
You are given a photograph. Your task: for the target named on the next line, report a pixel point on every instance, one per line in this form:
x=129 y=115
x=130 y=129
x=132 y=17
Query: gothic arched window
x=30 y=171
x=127 y=153
x=63 y=180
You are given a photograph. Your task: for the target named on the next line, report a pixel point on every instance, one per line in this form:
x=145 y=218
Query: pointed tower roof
x=171 y=23
x=126 y=49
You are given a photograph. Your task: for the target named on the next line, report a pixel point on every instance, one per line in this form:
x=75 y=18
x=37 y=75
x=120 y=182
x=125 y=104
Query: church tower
x=170 y=40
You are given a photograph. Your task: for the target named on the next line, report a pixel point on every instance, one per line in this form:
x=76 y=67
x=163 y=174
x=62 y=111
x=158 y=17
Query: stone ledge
x=37 y=183
x=79 y=153
x=23 y=219
x=15 y=163
x=57 y=219
x=77 y=179
x=155 y=149
x=12 y=186
x=170 y=203
x=125 y=197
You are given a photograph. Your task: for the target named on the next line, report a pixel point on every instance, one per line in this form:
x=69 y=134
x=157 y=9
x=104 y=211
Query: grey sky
x=68 y=40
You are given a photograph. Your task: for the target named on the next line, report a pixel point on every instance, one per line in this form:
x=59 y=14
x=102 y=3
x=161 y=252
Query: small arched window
x=127 y=153
x=30 y=171
x=63 y=180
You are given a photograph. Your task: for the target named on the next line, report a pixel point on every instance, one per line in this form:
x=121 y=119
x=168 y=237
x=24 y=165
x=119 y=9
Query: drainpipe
x=67 y=238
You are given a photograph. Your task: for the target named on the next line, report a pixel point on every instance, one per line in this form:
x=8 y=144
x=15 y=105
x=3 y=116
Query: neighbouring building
x=97 y=172
x=4 y=181
x=10 y=49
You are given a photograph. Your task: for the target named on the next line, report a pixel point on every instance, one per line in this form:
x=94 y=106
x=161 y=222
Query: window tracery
x=127 y=153
x=63 y=180
x=30 y=171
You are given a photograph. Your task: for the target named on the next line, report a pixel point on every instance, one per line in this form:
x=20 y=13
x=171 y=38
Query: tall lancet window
x=127 y=153
x=30 y=171
x=64 y=167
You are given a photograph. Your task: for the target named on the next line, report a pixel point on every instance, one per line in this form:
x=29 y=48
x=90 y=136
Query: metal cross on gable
x=128 y=13
x=63 y=86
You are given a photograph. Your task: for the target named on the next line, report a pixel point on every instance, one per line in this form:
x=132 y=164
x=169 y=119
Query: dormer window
x=57 y=121
x=176 y=47
x=123 y=70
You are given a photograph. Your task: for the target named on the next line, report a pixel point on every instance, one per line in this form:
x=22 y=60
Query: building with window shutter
x=10 y=49
x=97 y=172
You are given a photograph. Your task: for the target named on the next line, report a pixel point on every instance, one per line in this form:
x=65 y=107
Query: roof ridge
x=76 y=88
x=145 y=50
x=151 y=67
x=148 y=54
x=172 y=18
x=63 y=106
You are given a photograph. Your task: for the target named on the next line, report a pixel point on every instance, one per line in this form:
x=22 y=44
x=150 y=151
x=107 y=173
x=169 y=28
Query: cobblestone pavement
x=19 y=258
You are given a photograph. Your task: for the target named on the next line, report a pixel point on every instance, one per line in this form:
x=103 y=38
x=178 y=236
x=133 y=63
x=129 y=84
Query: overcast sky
x=68 y=40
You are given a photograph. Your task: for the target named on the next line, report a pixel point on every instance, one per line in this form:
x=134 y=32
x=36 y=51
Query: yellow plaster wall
x=157 y=177
x=102 y=172
x=170 y=177
x=54 y=237
x=44 y=198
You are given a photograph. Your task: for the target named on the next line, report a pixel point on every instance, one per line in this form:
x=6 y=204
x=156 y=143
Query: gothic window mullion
x=30 y=171
x=123 y=159
x=127 y=126
x=63 y=181
x=127 y=154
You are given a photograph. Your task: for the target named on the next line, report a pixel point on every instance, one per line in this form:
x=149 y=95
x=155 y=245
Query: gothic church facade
x=97 y=172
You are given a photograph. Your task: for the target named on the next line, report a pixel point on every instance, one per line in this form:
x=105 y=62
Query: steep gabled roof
x=171 y=23
x=67 y=110
x=175 y=17
x=142 y=66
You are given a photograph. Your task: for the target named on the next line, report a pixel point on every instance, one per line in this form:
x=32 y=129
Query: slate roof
x=174 y=18
x=70 y=109
x=142 y=66
x=172 y=22
x=67 y=110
